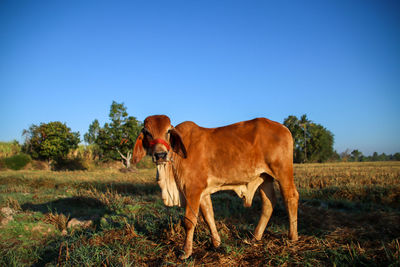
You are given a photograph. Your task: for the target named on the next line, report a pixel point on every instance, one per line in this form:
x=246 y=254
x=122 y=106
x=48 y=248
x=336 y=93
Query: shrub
x=75 y=164
x=17 y=162
x=8 y=149
x=50 y=141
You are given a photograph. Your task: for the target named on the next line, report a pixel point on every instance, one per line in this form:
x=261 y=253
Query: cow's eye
x=147 y=134
x=149 y=137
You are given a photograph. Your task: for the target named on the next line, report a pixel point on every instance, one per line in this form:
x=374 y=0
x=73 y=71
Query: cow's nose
x=160 y=155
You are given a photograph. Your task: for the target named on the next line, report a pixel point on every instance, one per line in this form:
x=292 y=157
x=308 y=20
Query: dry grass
x=376 y=183
x=349 y=215
x=349 y=174
x=58 y=220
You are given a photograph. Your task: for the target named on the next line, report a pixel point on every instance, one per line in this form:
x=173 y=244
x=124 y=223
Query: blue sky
x=212 y=62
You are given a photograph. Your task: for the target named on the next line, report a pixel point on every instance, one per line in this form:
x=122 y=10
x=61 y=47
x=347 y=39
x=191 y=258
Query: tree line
x=357 y=156
x=314 y=143
x=53 y=141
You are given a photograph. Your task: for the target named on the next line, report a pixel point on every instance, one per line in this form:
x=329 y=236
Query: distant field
x=349 y=215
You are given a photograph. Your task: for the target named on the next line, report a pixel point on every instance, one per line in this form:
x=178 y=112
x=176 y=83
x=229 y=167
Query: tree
x=299 y=138
x=50 y=141
x=383 y=157
x=303 y=123
x=90 y=138
x=375 y=156
x=93 y=132
x=335 y=156
x=312 y=142
x=321 y=143
x=356 y=155
x=116 y=139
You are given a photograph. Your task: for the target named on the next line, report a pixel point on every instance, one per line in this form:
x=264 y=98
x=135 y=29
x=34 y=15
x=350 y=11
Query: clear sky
x=212 y=62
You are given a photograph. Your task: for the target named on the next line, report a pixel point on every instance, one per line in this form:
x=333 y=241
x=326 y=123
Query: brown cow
x=193 y=162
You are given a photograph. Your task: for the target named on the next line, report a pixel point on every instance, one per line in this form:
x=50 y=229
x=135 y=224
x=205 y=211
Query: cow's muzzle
x=160 y=157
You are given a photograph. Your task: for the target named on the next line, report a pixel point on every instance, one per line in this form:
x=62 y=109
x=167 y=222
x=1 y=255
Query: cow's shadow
x=85 y=208
x=316 y=218
x=125 y=188
x=70 y=207
x=312 y=220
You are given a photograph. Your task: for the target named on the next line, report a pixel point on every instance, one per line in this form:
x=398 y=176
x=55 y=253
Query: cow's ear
x=138 y=152
x=177 y=143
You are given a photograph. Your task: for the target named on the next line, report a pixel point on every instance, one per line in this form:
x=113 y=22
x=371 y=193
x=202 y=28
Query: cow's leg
x=291 y=199
x=190 y=220
x=208 y=214
x=268 y=199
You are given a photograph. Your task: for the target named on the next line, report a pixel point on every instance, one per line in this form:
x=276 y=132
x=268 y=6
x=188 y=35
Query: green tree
x=321 y=143
x=356 y=155
x=50 y=141
x=90 y=138
x=115 y=139
x=383 y=157
x=375 y=156
x=312 y=142
x=93 y=132
x=300 y=136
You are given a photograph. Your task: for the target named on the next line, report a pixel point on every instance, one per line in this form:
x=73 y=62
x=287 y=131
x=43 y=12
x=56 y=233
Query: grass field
x=349 y=215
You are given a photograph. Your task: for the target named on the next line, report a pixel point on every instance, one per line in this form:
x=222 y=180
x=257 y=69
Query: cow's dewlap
x=169 y=190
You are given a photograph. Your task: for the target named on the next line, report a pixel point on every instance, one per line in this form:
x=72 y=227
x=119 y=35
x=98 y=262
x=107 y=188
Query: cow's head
x=158 y=138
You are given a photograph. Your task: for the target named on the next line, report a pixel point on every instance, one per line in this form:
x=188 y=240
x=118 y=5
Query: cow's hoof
x=183 y=257
x=216 y=243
